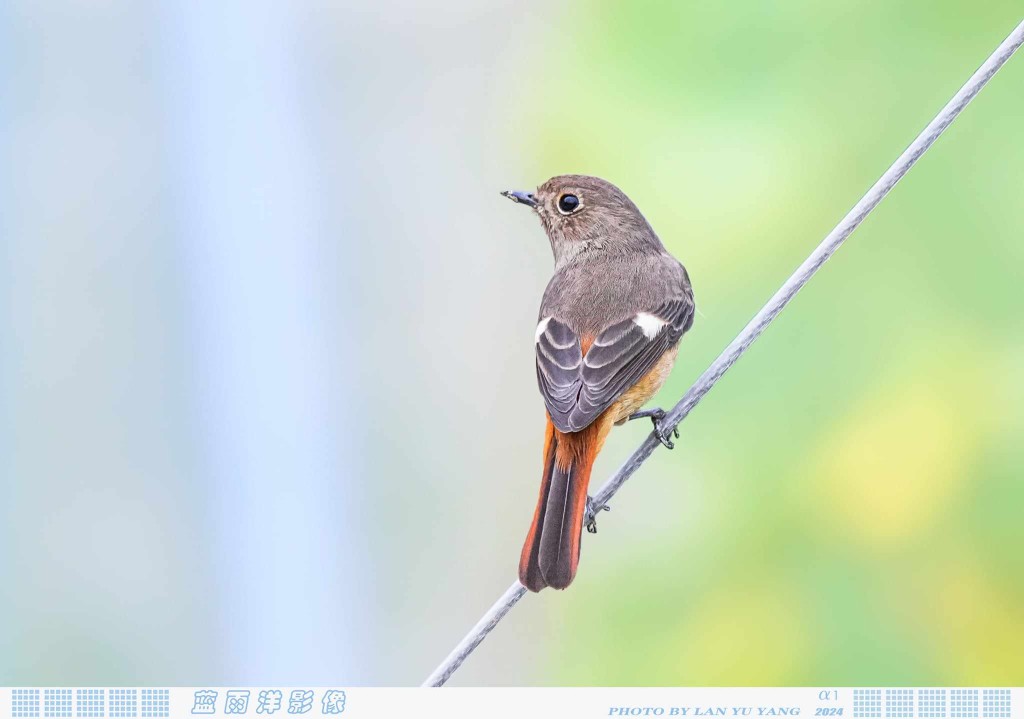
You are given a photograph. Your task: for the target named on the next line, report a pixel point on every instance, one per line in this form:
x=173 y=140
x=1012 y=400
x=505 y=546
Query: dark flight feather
x=578 y=388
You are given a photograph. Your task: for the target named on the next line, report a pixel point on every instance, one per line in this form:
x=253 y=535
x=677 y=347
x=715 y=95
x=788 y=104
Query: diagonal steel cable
x=755 y=327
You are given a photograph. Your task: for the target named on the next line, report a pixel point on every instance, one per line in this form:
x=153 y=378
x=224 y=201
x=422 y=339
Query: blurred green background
x=268 y=400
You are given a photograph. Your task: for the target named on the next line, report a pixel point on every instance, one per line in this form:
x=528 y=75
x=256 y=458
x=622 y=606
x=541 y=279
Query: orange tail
x=552 y=549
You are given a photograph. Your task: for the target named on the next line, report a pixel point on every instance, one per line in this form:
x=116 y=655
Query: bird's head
x=583 y=214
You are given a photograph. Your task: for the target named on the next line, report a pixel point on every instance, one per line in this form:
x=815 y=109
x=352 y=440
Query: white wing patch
x=541 y=326
x=649 y=324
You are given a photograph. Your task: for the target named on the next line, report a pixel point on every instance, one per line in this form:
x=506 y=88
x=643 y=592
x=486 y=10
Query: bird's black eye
x=567 y=204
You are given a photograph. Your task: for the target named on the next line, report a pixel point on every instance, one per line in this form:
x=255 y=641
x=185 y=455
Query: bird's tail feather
x=552 y=549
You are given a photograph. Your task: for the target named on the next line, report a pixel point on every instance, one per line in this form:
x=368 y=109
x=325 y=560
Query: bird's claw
x=590 y=515
x=657 y=415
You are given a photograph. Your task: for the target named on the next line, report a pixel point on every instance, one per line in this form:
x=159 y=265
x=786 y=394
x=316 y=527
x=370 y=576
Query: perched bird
x=607 y=337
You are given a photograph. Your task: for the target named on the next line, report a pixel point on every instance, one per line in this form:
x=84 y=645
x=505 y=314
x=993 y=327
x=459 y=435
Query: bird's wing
x=578 y=387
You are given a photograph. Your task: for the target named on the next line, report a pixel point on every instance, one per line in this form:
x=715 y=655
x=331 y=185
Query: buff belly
x=637 y=396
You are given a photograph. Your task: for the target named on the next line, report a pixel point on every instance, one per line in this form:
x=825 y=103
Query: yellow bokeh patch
x=896 y=463
x=751 y=635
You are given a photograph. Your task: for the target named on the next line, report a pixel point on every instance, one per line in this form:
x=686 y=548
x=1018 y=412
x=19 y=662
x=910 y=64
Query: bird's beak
x=526 y=198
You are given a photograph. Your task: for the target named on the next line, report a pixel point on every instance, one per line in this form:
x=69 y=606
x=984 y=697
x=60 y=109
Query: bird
x=607 y=337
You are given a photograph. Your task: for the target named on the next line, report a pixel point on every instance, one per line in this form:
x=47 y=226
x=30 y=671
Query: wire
x=755 y=327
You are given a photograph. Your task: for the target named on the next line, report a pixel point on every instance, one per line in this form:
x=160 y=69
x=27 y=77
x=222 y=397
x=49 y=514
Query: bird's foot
x=657 y=415
x=590 y=515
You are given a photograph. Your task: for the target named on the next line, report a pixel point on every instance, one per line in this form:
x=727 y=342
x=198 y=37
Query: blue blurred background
x=267 y=401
